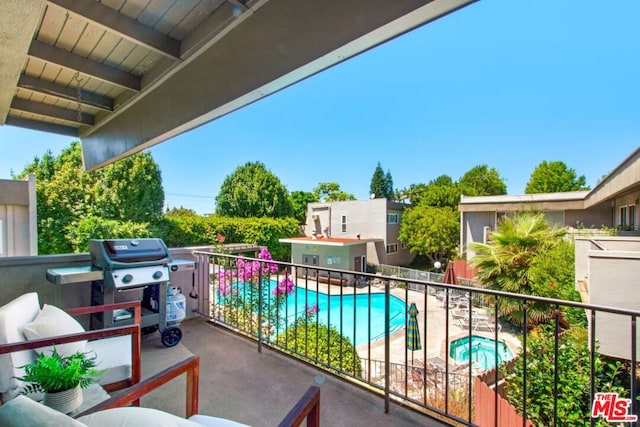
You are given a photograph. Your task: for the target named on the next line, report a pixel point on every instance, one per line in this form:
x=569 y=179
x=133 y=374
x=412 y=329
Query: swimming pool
x=483 y=351
x=365 y=306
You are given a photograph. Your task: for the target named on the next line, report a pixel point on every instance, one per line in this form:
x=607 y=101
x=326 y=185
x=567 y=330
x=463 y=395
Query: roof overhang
x=624 y=179
x=124 y=75
x=328 y=241
x=569 y=200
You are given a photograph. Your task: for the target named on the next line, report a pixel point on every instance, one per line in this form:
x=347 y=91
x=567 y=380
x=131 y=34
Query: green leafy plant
x=54 y=373
x=321 y=343
x=573 y=370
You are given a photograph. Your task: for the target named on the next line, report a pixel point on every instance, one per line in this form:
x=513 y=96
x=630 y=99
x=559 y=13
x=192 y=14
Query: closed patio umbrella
x=449 y=275
x=413 y=331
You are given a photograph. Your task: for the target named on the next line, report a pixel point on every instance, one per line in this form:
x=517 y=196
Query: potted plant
x=60 y=378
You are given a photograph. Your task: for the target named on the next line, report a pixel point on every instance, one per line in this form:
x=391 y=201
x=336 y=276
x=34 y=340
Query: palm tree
x=504 y=262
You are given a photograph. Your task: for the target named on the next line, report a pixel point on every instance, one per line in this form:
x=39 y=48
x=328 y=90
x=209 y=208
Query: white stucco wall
x=18 y=217
x=364 y=218
x=613 y=282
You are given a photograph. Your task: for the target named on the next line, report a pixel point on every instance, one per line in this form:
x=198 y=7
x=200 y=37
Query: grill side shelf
x=68 y=275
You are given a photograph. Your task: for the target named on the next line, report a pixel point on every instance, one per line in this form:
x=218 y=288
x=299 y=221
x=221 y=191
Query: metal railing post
x=387 y=345
x=260 y=308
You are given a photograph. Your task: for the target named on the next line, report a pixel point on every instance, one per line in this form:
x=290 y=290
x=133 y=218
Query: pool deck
x=433 y=340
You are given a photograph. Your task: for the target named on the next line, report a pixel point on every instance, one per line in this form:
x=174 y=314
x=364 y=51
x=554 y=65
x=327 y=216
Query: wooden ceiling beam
x=65 y=92
x=52 y=111
x=71 y=61
x=42 y=126
x=123 y=26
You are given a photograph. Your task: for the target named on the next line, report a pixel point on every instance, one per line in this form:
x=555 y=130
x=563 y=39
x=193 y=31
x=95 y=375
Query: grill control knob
x=127 y=278
x=157 y=274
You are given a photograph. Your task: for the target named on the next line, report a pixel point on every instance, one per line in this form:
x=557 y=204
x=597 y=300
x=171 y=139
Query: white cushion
x=132 y=416
x=52 y=322
x=113 y=354
x=207 y=421
x=24 y=412
x=13 y=316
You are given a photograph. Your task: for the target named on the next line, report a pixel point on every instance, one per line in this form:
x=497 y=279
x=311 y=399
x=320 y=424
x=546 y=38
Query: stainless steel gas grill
x=130 y=265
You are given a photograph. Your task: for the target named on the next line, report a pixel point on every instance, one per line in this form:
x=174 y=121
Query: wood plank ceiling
x=124 y=75
x=88 y=58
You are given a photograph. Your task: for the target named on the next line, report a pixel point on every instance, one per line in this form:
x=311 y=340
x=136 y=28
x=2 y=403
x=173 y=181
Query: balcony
x=249 y=375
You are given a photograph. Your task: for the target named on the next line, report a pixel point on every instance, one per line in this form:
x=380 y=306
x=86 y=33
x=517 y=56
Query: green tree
x=253 y=191
x=388 y=183
x=430 y=231
x=181 y=211
x=553 y=276
x=482 y=181
x=378 y=188
x=128 y=190
x=381 y=184
x=131 y=189
x=573 y=362
x=440 y=192
x=554 y=177
x=506 y=261
x=330 y=192
x=299 y=201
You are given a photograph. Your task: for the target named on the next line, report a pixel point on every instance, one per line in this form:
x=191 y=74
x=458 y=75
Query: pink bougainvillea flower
x=225 y=288
x=267 y=267
x=312 y=309
x=284 y=287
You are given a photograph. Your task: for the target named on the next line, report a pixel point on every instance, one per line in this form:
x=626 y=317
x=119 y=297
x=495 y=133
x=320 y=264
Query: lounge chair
x=477 y=324
x=25 y=327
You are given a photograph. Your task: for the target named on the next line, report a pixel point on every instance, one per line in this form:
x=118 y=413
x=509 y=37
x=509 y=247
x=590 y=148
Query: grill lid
x=109 y=254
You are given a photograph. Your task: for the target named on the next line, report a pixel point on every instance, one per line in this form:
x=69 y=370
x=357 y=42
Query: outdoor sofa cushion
x=13 y=316
x=24 y=412
x=52 y=322
x=21 y=319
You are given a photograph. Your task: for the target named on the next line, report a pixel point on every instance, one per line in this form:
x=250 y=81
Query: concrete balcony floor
x=239 y=383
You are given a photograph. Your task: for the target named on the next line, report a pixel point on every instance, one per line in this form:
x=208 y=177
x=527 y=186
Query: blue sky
x=507 y=83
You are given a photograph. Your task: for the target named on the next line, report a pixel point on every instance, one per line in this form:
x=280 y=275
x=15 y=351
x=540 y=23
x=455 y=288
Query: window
x=403 y=245
x=392 y=248
x=392 y=218
x=310 y=259
x=343 y=221
x=333 y=260
x=628 y=217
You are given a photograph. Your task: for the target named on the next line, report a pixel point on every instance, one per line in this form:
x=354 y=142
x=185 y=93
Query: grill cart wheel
x=171 y=336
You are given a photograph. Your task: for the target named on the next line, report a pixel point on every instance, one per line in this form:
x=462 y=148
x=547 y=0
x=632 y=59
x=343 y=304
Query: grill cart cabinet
x=140 y=268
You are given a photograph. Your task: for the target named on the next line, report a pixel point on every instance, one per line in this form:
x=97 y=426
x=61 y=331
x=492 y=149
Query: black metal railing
x=354 y=325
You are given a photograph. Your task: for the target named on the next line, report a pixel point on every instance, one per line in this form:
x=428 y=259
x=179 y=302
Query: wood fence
x=462 y=269
x=484 y=400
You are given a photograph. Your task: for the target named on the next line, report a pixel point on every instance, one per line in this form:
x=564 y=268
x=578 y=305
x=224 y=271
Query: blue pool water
x=483 y=351
x=331 y=307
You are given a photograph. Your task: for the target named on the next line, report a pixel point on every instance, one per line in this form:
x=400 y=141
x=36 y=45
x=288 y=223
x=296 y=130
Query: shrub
x=322 y=343
x=573 y=403
x=99 y=228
